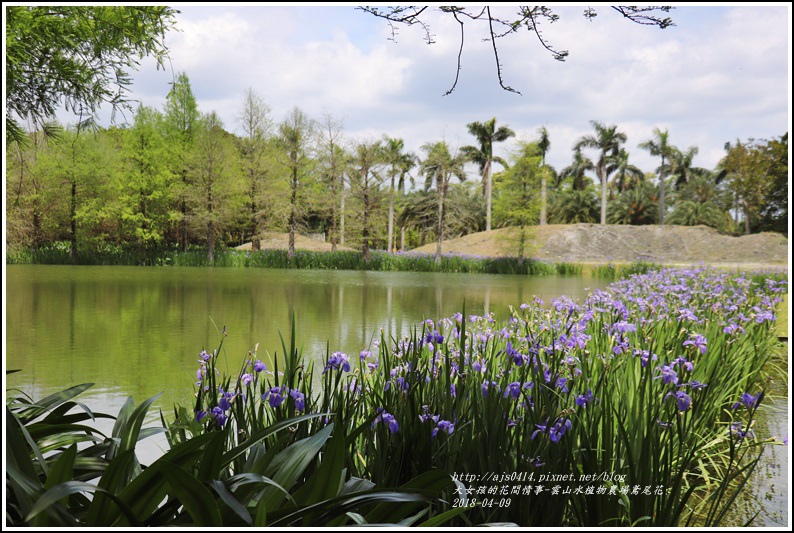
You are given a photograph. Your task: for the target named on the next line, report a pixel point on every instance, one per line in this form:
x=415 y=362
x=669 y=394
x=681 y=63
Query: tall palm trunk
x=391 y=216
x=661 y=194
x=603 y=175
x=488 y=187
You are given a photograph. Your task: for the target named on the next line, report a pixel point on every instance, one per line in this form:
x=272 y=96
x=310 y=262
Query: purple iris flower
x=513 y=389
x=668 y=374
x=300 y=401
x=682 y=400
x=583 y=399
x=434 y=337
x=274 y=397
x=225 y=401
x=541 y=429
x=558 y=430
x=737 y=430
x=518 y=357
x=623 y=327
x=444 y=426
x=749 y=401
x=200 y=414
x=259 y=366
x=388 y=419
x=219 y=416
x=484 y=389
x=698 y=341
x=338 y=360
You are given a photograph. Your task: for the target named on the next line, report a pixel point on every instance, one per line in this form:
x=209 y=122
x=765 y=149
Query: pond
x=137 y=331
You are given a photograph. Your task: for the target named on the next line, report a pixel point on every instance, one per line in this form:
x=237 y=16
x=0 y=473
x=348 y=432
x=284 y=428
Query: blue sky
x=721 y=74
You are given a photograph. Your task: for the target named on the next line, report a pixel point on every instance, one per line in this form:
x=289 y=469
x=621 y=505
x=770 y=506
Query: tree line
x=175 y=178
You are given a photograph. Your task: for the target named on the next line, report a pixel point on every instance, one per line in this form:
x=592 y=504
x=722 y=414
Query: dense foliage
x=179 y=178
x=78 y=57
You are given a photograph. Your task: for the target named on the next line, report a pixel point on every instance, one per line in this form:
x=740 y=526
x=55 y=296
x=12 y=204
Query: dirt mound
x=280 y=241
x=594 y=243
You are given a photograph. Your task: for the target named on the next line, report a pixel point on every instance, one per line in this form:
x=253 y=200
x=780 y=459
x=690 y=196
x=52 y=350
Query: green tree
x=29 y=192
x=297 y=158
x=486 y=134
x=399 y=163
x=660 y=146
x=78 y=57
x=181 y=121
x=744 y=165
x=754 y=171
x=365 y=180
x=214 y=196
x=607 y=141
x=773 y=214
x=145 y=188
x=333 y=174
x=255 y=122
x=517 y=203
x=439 y=167
x=78 y=169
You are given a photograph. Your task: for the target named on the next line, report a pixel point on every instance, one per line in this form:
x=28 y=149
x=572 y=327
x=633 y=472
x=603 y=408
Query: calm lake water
x=137 y=331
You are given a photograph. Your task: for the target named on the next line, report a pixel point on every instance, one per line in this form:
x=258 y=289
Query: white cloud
x=721 y=74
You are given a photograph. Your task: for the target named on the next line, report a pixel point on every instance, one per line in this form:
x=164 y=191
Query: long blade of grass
x=287 y=467
x=51 y=402
x=196 y=498
x=228 y=498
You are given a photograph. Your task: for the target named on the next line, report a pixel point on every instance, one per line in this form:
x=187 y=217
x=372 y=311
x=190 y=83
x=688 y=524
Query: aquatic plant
x=615 y=411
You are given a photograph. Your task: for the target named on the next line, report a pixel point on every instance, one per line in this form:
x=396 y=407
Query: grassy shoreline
x=111 y=255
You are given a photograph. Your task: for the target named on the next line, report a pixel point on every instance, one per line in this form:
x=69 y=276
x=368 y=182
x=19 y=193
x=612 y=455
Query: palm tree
x=399 y=163
x=543 y=145
x=700 y=200
x=681 y=170
x=636 y=206
x=486 y=134
x=627 y=176
x=694 y=213
x=575 y=171
x=439 y=167
x=575 y=206
x=607 y=140
x=659 y=146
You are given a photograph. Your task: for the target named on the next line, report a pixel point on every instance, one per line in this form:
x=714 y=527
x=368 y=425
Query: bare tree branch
x=496 y=56
x=527 y=17
x=460 y=54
